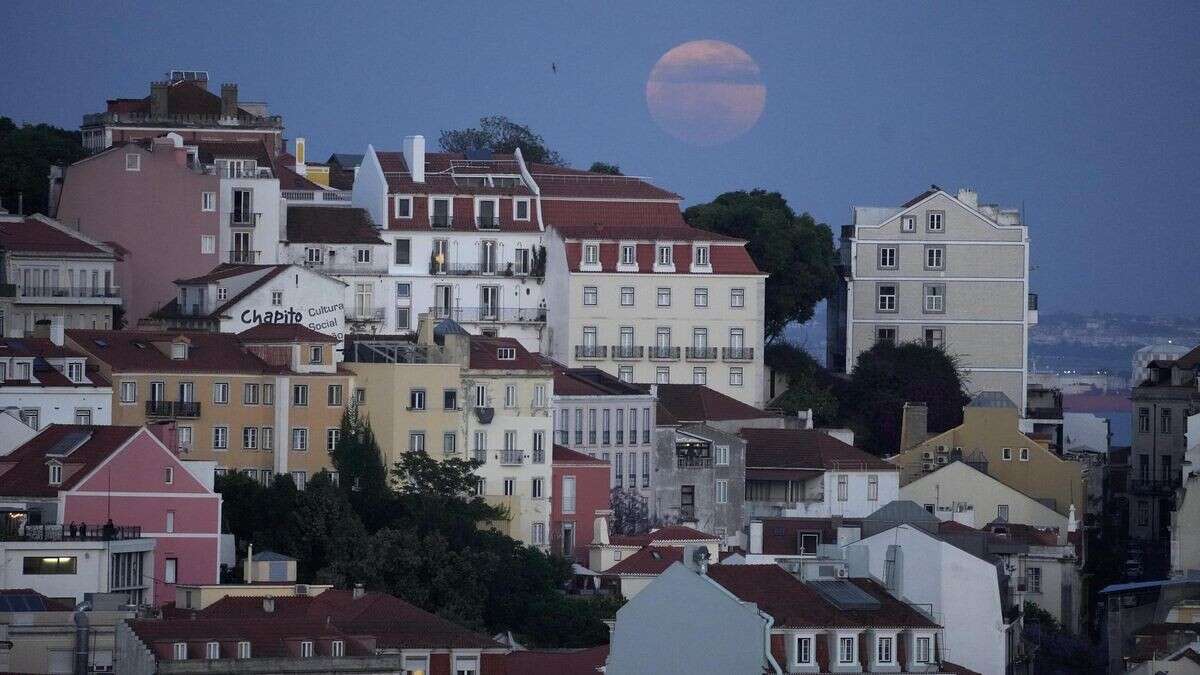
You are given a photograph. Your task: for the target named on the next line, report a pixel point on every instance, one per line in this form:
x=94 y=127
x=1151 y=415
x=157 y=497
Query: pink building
x=580 y=490
x=73 y=474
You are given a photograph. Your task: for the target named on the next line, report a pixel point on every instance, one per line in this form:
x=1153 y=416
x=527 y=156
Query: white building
x=49 y=271
x=43 y=383
x=943 y=270
x=1163 y=351
x=51 y=561
x=1086 y=432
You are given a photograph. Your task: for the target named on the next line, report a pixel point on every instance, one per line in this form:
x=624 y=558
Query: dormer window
x=213 y=650
x=591 y=256
x=222 y=293
x=55 y=473
x=702 y=256
x=506 y=354
x=315 y=355
x=178 y=351
x=75 y=371
x=21 y=370
x=133 y=162
x=179 y=652
x=520 y=209
x=306 y=649
x=628 y=254
x=363 y=255
x=665 y=255
x=403 y=207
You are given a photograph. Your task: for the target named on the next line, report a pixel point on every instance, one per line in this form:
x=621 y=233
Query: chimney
x=914 y=425
x=248 y=569
x=600 y=528
x=414 y=156
x=164 y=431
x=269 y=605
x=969 y=197
x=756 y=537
x=358 y=591
x=425 y=329
x=300 y=166
x=158 y=99
x=229 y=100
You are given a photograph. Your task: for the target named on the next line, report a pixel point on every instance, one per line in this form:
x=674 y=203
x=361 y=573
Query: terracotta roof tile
x=330 y=225
x=670 y=533
x=559 y=181
x=781 y=536
x=210 y=151
x=649 y=561
x=35 y=235
x=563 y=455
x=283 y=332
x=806 y=449
x=698 y=403
x=558 y=661
x=24 y=472
x=485 y=355
x=129 y=351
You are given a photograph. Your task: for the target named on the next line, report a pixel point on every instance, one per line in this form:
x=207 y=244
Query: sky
x=1086 y=115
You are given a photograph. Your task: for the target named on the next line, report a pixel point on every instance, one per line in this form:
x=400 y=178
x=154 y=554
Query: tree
x=26 y=153
x=630 y=514
x=606 y=168
x=888 y=376
x=809 y=386
x=501 y=135
x=795 y=251
x=357 y=457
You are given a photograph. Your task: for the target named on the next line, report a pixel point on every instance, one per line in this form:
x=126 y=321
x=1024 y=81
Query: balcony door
x=626 y=338
x=443 y=300
x=487 y=256
x=243 y=206
x=737 y=338
x=489 y=302
x=158 y=391
x=568 y=540
x=700 y=339
x=187 y=392
x=662 y=339
x=487 y=213
x=687 y=501
x=363 y=299
x=589 y=338
x=242 y=243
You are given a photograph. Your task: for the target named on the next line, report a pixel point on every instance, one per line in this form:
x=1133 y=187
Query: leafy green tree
x=358 y=460
x=502 y=135
x=606 y=168
x=794 y=250
x=569 y=621
x=809 y=386
x=26 y=153
x=322 y=527
x=886 y=377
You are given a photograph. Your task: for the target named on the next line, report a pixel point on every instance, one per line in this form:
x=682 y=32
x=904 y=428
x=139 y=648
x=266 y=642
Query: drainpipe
x=770 y=657
x=81 y=638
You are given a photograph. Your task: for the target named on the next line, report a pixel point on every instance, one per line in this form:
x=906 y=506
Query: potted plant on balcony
x=508 y=269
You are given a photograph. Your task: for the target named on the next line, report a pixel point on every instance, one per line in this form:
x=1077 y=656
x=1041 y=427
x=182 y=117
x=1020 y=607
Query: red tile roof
x=330 y=225
x=24 y=472
x=781 y=536
x=485 y=355
x=641 y=233
x=129 y=351
x=670 y=533
x=283 y=332
x=590 y=381
x=697 y=403
x=563 y=456
x=794 y=604
x=268 y=639
x=558 y=661
x=440 y=171
x=560 y=181
x=35 y=235
x=649 y=561
x=806 y=449
x=210 y=151
x=224 y=271
x=723 y=258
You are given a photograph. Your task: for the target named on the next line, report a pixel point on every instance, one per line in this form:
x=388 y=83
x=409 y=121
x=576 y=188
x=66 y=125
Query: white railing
x=316 y=195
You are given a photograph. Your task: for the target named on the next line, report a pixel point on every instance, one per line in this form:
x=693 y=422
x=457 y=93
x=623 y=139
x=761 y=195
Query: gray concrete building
x=700 y=479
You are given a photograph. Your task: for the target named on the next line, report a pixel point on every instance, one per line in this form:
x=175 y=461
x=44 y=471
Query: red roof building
x=580 y=492
x=46 y=383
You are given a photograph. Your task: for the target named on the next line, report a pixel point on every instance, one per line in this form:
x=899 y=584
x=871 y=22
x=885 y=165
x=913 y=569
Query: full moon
x=706 y=92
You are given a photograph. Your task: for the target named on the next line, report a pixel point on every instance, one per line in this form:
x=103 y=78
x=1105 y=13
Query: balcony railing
x=81 y=532
x=441 y=222
x=628 y=351
x=491 y=314
x=702 y=353
x=244 y=257
x=591 y=351
x=1033 y=301
x=486 y=269
x=1153 y=487
x=479 y=456
x=159 y=409
x=694 y=462
x=361 y=314
x=315 y=195
x=64 y=291
x=659 y=352
x=737 y=353
x=488 y=222
x=243 y=219
x=512 y=457
x=328 y=266
x=687 y=512
x=172 y=408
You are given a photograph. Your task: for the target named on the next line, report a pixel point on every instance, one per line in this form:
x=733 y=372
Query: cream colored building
x=668 y=304
x=960 y=492
x=941 y=270
x=989 y=439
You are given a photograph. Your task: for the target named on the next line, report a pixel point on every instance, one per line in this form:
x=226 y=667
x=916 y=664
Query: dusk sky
x=1087 y=115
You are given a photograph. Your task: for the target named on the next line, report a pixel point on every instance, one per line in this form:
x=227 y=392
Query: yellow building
x=989 y=439
x=266 y=401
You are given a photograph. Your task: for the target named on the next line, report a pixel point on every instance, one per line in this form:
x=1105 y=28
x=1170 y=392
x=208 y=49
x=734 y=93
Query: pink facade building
x=92 y=475
x=580 y=491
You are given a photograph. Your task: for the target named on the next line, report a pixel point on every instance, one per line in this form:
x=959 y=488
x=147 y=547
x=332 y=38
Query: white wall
x=1085 y=429
x=92 y=566
x=370 y=187
x=956 y=488
x=57 y=405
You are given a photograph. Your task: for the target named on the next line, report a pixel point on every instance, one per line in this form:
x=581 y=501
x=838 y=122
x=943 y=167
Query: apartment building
x=581 y=493
x=42 y=631
x=1162 y=404
x=943 y=270
x=700 y=479
x=183 y=104
x=662 y=303
x=43 y=383
x=266 y=401
x=49 y=271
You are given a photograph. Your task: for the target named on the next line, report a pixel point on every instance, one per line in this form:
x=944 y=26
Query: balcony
x=172 y=409
x=329 y=266
x=88 y=532
x=628 y=352
x=491 y=314
x=1142 y=486
x=591 y=351
x=737 y=353
x=187 y=408
x=659 y=353
x=365 y=314
x=1031 y=309
x=61 y=294
x=243 y=219
x=441 y=222
x=244 y=257
x=8 y=290
x=315 y=196
x=701 y=353
x=512 y=457
x=488 y=223
x=159 y=409
x=694 y=462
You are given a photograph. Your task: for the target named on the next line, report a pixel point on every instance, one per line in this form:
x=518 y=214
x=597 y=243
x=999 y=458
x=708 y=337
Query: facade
x=961 y=492
x=336 y=631
x=662 y=303
x=805 y=473
x=1086 y=432
x=183 y=104
x=266 y=401
x=630 y=562
x=700 y=479
x=697 y=404
x=120 y=481
x=1185 y=536
x=1142 y=358
x=47 y=559
x=581 y=493
x=944 y=270
x=50 y=272
x=40 y=631
x=989 y=439
x=42 y=383
x=1162 y=404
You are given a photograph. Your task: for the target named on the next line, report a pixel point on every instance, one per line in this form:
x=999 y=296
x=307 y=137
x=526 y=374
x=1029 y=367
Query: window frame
x=940 y=253
x=887 y=257
x=880 y=295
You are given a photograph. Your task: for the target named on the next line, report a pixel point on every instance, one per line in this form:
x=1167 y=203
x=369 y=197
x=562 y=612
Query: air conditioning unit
x=941 y=460
x=842 y=573
x=926 y=455
x=301 y=589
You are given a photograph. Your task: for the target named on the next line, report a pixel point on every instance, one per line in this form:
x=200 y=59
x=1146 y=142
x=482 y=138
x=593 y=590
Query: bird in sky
x=554 y=67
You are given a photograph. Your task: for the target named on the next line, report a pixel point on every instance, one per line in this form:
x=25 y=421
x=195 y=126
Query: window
x=300 y=394
x=539 y=396
x=220 y=438
x=1143 y=513
x=908 y=223
x=645 y=425
x=722 y=491
x=591 y=254
x=627 y=296
x=1033 y=579
x=625 y=373
x=75 y=371
x=133 y=162
x=645 y=469
x=700 y=375
x=887 y=257
x=313 y=256
x=268 y=394
x=128 y=392
x=416 y=399
x=415 y=664
x=935 y=257
x=83 y=416
x=664 y=297
x=506 y=353
x=885 y=298
x=700 y=297
x=735 y=376
x=316 y=354
x=535 y=488
x=332 y=437
x=222 y=293
x=416 y=441
x=510 y=396
x=935 y=298
x=804 y=650
x=885 y=335
x=250 y=394
x=208 y=244
x=243 y=649
x=1006 y=454
x=249 y=438
x=450 y=399
x=628 y=254
x=590 y=295
x=402 y=207
x=56 y=474
x=1024 y=454
x=662 y=375
x=620 y=426
x=606 y=437
x=665 y=255
x=924 y=649
x=619 y=469
x=56 y=565
x=299 y=439
x=520 y=209
x=737 y=297
x=277 y=298
x=846 y=650
x=337 y=648
x=1144 y=420
x=872 y=488
x=212 y=650
x=509 y=486
x=170 y=570
x=883 y=649
x=179 y=651
x=843 y=487
x=221 y=392
x=935 y=337
x=1002 y=512
x=334 y=395
x=266 y=437
x=935 y=221
x=1164 y=421
x=481 y=397
x=306 y=649
x=449 y=443
x=469 y=664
